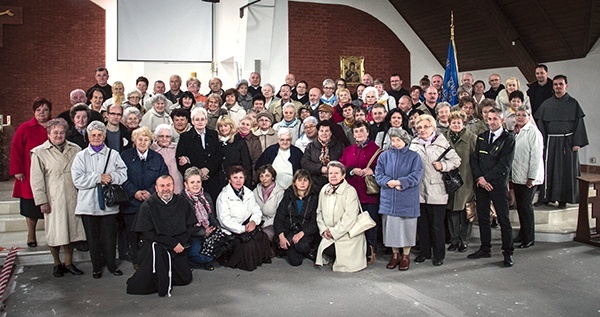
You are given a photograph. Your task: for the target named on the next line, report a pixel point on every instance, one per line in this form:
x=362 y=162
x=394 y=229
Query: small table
x=583 y=233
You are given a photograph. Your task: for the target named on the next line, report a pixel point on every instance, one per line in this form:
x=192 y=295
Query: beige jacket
x=337 y=212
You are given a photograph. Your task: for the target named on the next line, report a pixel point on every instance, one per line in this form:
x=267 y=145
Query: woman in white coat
x=240 y=216
x=527 y=173
x=336 y=214
x=433 y=197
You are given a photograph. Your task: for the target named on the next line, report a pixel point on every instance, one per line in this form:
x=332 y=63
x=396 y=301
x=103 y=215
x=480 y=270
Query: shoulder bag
x=370 y=181
x=363 y=223
x=113 y=194
x=452 y=179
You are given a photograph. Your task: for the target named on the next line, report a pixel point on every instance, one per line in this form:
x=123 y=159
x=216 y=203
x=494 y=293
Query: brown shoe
x=404 y=262
x=372 y=256
x=394 y=261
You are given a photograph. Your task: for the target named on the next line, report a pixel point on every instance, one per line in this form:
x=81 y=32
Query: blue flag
x=451 y=76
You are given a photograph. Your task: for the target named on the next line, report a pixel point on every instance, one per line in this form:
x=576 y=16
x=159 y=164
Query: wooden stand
x=584 y=234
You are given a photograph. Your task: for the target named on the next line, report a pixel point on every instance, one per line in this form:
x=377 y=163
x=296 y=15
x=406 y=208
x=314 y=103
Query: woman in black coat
x=295 y=225
x=200 y=147
x=234 y=148
x=320 y=152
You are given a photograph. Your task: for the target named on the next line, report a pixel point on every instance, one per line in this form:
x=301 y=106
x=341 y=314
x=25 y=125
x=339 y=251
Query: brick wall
x=320 y=33
x=54 y=51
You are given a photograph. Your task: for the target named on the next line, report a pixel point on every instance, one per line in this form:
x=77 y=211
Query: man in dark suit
x=490 y=164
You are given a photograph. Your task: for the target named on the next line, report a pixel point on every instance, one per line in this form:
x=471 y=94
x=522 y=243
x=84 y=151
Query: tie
x=491 y=137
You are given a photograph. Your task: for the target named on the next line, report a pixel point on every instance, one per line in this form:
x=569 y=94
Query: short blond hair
x=226 y=120
x=427 y=117
x=143 y=131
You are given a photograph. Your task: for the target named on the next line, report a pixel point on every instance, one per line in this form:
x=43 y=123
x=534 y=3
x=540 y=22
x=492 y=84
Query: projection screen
x=164 y=31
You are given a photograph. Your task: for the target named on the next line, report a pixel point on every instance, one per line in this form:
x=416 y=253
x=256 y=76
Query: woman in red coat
x=29 y=135
x=355 y=158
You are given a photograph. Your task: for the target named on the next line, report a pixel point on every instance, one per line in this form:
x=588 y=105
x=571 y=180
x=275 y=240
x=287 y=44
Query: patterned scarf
x=454 y=137
x=332 y=189
x=324 y=157
x=201 y=207
x=238 y=192
x=289 y=125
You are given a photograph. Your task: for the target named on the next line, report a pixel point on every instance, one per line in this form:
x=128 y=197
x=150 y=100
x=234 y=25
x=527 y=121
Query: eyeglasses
x=423 y=127
x=328 y=88
x=134 y=97
x=115 y=114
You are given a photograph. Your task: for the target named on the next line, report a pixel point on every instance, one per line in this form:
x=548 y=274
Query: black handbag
x=452 y=179
x=113 y=194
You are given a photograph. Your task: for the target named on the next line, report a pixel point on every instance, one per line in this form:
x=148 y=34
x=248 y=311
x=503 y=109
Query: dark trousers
x=458 y=225
x=122 y=241
x=430 y=227
x=132 y=238
x=101 y=232
x=297 y=251
x=524 y=198
x=498 y=195
x=372 y=234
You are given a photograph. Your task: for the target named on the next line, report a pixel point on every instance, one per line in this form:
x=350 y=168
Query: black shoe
x=562 y=205
x=508 y=260
x=58 y=270
x=73 y=270
x=438 y=262
x=208 y=266
x=117 y=272
x=453 y=247
x=494 y=223
x=420 y=259
x=97 y=275
x=463 y=248
x=479 y=254
x=526 y=245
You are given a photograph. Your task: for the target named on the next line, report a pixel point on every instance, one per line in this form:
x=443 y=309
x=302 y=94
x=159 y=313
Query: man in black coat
x=490 y=164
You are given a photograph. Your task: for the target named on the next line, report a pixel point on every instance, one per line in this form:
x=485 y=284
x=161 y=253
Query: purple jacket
x=355 y=157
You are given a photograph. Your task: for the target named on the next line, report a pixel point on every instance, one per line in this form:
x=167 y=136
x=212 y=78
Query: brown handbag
x=372 y=186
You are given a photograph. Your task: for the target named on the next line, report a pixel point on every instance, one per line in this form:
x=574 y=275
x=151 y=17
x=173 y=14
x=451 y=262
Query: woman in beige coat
x=336 y=214
x=54 y=192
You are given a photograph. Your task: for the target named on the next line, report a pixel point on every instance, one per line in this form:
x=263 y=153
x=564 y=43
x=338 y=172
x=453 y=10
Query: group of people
x=242 y=175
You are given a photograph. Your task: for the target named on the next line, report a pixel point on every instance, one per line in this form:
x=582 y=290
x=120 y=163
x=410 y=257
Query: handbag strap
x=444 y=153
x=107 y=158
x=373 y=157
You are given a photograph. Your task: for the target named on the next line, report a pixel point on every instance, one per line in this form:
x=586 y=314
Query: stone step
x=16 y=223
x=9 y=207
x=39 y=255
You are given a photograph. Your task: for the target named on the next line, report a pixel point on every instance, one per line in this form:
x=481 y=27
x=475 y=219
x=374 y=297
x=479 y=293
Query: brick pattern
x=320 y=33
x=56 y=50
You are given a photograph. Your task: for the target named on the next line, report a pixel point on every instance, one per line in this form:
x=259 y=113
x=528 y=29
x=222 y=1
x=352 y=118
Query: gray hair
x=198 y=110
x=58 y=122
x=269 y=85
x=284 y=131
x=441 y=105
x=370 y=89
x=96 y=125
x=288 y=105
x=311 y=119
x=328 y=81
x=526 y=109
x=130 y=110
x=191 y=172
x=163 y=126
x=156 y=98
x=400 y=133
x=134 y=92
x=336 y=164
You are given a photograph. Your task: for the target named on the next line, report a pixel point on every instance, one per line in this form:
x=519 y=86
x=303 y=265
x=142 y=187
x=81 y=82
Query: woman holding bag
x=337 y=213
x=360 y=160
